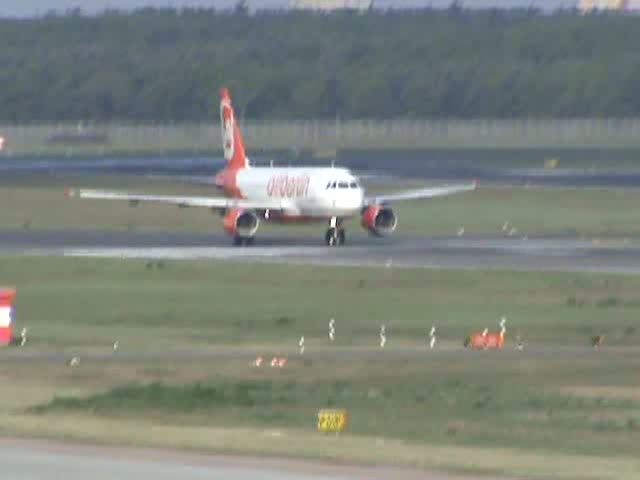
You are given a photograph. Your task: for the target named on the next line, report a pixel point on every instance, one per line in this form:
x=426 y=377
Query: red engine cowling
x=379 y=219
x=241 y=223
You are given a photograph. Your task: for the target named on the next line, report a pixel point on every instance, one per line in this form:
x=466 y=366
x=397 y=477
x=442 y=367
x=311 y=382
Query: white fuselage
x=304 y=192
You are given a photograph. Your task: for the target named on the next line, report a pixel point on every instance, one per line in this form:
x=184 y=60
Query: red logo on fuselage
x=288 y=186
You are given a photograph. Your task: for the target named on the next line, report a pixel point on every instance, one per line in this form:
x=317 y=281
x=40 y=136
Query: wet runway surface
x=466 y=252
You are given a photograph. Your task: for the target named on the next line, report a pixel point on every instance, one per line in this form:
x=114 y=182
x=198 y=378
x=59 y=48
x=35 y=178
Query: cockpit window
x=335 y=184
x=353 y=185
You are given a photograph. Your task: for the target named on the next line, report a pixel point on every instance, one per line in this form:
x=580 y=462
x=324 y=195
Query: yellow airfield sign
x=332 y=420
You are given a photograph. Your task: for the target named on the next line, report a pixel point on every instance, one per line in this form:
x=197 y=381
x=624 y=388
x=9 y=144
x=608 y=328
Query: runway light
x=432 y=337
x=258 y=361
x=115 y=346
x=301 y=345
x=461 y=231
x=383 y=336
x=74 y=362
x=332 y=329
x=597 y=341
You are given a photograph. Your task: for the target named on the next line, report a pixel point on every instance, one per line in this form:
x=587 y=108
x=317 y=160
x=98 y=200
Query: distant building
x=328 y=5
x=587 y=6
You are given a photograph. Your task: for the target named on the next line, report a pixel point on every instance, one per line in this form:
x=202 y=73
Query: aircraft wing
x=417 y=194
x=215 y=203
x=189 y=179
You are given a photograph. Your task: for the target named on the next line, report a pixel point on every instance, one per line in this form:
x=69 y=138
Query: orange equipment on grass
x=485 y=340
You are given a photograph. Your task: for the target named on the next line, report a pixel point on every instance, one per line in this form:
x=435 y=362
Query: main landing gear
x=335 y=235
x=239 y=241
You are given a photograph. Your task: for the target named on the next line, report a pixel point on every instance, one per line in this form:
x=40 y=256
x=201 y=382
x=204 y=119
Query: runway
x=464 y=252
x=41 y=460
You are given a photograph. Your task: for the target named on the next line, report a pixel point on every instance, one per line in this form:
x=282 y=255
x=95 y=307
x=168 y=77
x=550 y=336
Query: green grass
x=40 y=204
x=85 y=303
x=461 y=402
x=532 y=211
x=500 y=412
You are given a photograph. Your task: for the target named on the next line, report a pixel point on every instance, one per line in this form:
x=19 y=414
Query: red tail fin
x=231 y=136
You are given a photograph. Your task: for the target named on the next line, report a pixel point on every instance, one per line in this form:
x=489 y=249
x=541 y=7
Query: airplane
x=283 y=195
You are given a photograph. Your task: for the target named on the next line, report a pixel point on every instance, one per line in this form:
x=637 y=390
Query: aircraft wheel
x=342 y=237
x=331 y=237
x=239 y=241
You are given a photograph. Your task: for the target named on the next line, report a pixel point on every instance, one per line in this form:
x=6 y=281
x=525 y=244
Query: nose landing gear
x=335 y=235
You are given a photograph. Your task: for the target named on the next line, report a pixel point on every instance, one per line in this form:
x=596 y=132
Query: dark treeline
x=166 y=65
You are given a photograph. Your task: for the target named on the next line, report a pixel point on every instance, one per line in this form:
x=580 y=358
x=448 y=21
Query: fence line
x=327 y=135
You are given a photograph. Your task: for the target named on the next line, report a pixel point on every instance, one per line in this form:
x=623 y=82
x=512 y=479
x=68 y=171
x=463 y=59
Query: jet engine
x=242 y=224
x=379 y=220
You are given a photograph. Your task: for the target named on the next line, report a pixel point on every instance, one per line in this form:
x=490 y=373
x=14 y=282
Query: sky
x=27 y=8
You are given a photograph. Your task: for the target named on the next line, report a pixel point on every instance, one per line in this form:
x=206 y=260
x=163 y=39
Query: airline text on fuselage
x=288 y=186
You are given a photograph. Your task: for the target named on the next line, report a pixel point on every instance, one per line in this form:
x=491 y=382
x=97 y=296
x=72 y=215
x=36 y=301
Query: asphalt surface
x=38 y=460
x=503 y=166
x=543 y=253
x=41 y=460
x=465 y=252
